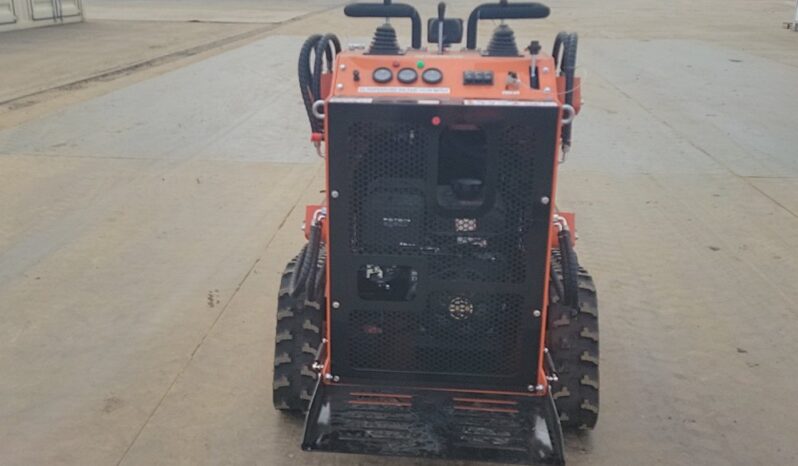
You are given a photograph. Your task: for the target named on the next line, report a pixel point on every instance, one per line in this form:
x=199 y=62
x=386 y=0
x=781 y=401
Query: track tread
x=573 y=340
x=298 y=335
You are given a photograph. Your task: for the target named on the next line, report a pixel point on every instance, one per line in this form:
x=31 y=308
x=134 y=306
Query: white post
x=795 y=20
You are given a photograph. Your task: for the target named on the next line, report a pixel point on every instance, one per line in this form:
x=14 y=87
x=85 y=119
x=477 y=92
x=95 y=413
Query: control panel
x=457 y=74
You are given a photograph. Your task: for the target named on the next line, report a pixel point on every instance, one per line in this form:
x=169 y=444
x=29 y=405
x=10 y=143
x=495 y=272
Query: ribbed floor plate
x=434 y=424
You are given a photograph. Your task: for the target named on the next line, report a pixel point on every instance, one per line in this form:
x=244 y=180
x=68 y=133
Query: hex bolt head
x=336 y=304
x=545 y=200
x=342 y=67
x=545 y=70
x=531 y=388
x=328 y=376
x=336 y=379
x=539 y=388
x=334 y=194
x=536 y=313
x=339 y=86
x=547 y=90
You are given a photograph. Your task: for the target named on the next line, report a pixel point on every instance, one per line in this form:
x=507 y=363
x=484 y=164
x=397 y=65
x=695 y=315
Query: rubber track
x=297 y=338
x=573 y=340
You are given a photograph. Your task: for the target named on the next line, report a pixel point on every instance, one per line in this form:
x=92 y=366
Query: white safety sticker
x=510 y=103
x=403 y=90
x=352 y=100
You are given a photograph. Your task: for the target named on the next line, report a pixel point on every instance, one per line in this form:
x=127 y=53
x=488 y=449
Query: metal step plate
x=434 y=424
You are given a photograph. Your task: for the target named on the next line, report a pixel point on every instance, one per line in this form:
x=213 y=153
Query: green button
x=420 y=64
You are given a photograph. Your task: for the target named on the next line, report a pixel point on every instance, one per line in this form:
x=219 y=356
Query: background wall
x=18 y=14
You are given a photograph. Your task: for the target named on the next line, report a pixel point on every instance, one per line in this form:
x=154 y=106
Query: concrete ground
x=145 y=218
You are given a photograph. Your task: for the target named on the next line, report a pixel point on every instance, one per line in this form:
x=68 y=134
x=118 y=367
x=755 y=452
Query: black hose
x=567 y=42
x=556 y=283
x=568 y=67
x=558 y=41
x=317 y=280
x=328 y=46
x=293 y=286
x=306 y=79
x=570 y=269
x=312 y=261
x=319 y=47
x=309 y=259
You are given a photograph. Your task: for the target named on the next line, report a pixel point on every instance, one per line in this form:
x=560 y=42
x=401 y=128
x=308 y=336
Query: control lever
x=441 y=17
x=388 y=10
x=502 y=10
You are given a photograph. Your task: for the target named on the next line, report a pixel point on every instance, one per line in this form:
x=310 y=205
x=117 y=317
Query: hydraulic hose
x=568 y=67
x=330 y=46
x=300 y=259
x=317 y=279
x=567 y=42
x=306 y=78
x=306 y=264
x=558 y=42
x=320 y=47
x=570 y=269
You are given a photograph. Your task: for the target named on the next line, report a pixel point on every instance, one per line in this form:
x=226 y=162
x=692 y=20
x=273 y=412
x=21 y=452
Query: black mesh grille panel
x=453 y=332
x=458 y=204
x=389 y=170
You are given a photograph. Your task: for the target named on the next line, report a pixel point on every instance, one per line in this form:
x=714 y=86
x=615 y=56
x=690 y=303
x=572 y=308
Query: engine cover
x=438 y=231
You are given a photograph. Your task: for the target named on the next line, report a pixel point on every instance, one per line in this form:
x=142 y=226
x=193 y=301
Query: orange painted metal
x=485 y=400
x=452 y=65
x=326 y=84
x=379 y=395
x=352 y=79
x=400 y=404
x=487 y=410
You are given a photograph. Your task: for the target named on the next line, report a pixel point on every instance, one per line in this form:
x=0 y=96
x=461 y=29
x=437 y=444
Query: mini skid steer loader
x=438 y=309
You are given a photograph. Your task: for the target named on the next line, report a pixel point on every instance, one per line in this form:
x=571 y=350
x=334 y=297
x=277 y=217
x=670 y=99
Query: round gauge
x=382 y=75
x=432 y=76
x=407 y=75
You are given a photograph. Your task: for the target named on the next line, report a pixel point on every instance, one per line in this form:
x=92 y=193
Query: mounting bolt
x=545 y=200
x=545 y=69
x=317 y=366
x=531 y=388
x=342 y=67
x=336 y=304
x=546 y=350
x=536 y=313
x=339 y=86
x=547 y=90
x=334 y=194
x=328 y=376
x=336 y=378
x=539 y=388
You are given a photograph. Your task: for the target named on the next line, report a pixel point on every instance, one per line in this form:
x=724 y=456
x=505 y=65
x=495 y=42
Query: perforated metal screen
x=459 y=205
